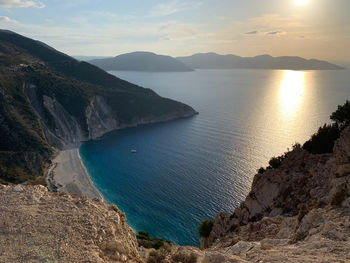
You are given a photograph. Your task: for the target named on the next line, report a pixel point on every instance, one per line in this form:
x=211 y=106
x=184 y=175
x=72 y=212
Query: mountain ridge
x=141 y=61
x=213 y=60
x=52 y=101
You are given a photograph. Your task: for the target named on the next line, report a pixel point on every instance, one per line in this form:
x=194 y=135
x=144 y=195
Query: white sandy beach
x=70 y=175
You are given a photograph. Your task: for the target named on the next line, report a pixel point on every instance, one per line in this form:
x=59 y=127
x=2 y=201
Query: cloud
x=172 y=7
x=5 y=19
x=21 y=3
x=274 y=33
x=252 y=32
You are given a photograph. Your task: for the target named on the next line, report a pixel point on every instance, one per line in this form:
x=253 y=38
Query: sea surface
x=188 y=170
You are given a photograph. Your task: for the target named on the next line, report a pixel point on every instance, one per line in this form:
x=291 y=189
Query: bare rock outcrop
x=99 y=117
x=39 y=226
x=298 y=212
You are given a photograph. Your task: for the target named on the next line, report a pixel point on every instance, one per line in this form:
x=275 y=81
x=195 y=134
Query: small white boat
x=133 y=151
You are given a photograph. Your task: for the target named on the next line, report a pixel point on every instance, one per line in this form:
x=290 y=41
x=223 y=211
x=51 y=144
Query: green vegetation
x=144 y=240
x=205 y=228
x=71 y=83
x=323 y=140
x=342 y=115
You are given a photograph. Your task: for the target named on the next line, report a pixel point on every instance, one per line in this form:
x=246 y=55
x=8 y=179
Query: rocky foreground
x=39 y=226
x=296 y=212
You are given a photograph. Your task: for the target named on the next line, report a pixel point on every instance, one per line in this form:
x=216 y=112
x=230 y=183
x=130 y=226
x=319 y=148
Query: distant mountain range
x=88 y=58
x=141 y=61
x=216 y=61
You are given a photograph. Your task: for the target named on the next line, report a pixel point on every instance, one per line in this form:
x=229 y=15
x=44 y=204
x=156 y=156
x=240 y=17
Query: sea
x=188 y=170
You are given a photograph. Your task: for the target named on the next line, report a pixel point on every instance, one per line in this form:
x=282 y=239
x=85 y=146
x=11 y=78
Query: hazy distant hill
x=88 y=58
x=141 y=61
x=215 y=61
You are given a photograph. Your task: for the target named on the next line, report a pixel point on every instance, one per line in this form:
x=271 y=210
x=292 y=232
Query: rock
x=63 y=229
x=18 y=188
x=298 y=212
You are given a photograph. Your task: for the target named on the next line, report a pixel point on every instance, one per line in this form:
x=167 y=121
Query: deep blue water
x=188 y=170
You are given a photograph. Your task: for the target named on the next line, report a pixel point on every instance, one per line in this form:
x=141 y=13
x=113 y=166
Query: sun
x=301 y=2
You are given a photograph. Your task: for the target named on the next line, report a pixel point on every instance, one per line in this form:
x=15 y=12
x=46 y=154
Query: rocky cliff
x=298 y=212
x=39 y=226
x=50 y=100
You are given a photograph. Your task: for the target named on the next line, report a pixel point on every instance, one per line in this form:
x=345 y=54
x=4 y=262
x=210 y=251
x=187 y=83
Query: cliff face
x=298 y=212
x=38 y=226
x=50 y=100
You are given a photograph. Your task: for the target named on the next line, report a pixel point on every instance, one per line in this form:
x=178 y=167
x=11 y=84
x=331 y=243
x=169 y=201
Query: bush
x=323 y=140
x=276 y=162
x=143 y=235
x=205 y=228
x=144 y=240
x=184 y=258
x=261 y=170
x=342 y=115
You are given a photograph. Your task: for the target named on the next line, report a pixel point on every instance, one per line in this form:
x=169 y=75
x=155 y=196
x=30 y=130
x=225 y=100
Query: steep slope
x=215 y=61
x=298 y=209
x=51 y=227
x=141 y=61
x=50 y=99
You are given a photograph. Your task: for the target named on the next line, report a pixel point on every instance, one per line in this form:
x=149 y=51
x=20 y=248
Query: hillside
x=141 y=61
x=60 y=228
x=50 y=100
x=215 y=61
x=298 y=210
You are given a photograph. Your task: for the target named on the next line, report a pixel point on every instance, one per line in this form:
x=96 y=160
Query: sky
x=318 y=29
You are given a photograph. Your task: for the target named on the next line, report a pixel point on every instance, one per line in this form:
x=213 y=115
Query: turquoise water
x=188 y=170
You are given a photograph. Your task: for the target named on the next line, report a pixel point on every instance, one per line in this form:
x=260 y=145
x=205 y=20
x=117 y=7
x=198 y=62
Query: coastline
x=68 y=172
x=70 y=175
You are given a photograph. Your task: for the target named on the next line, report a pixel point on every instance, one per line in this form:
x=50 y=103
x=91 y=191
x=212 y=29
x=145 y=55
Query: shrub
x=143 y=235
x=261 y=170
x=184 y=258
x=205 y=228
x=158 y=243
x=276 y=162
x=144 y=240
x=342 y=115
x=323 y=140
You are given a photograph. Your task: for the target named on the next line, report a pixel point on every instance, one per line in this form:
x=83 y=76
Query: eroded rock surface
x=298 y=212
x=39 y=226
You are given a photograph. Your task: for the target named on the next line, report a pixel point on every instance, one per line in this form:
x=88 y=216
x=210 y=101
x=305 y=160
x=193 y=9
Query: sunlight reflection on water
x=291 y=92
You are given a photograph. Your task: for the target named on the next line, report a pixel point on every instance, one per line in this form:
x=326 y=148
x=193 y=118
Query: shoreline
x=69 y=175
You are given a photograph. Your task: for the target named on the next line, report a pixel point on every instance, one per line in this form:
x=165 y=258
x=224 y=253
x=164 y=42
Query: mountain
x=87 y=58
x=50 y=101
x=141 y=61
x=216 y=61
